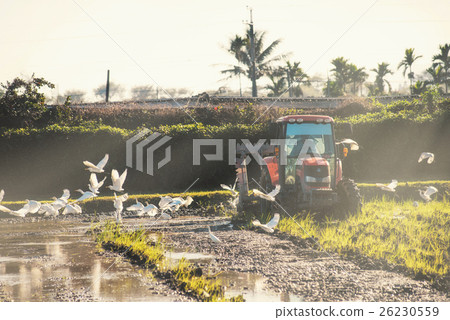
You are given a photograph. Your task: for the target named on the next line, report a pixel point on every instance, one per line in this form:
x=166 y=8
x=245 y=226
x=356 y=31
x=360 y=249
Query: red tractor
x=306 y=161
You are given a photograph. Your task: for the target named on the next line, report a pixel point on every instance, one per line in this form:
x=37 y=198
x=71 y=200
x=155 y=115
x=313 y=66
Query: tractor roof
x=305 y=118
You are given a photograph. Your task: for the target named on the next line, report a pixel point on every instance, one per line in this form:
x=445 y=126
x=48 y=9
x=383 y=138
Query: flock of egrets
x=425 y=194
x=167 y=205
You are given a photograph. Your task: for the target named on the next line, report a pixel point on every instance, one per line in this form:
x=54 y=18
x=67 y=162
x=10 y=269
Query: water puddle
x=252 y=287
x=36 y=263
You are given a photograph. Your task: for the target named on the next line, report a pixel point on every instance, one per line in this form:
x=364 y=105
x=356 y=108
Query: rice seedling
x=150 y=254
x=413 y=237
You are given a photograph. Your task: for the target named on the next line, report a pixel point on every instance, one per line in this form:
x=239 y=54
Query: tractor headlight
x=310 y=179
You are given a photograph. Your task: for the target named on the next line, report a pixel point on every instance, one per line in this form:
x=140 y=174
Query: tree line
x=255 y=60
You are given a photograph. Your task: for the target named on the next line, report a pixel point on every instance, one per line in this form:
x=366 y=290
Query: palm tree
x=240 y=48
x=406 y=63
x=278 y=86
x=419 y=87
x=235 y=71
x=295 y=74
x=341 y=72
x=357 y=76
x=437 y=74
x=382 y=71
x=443 y=60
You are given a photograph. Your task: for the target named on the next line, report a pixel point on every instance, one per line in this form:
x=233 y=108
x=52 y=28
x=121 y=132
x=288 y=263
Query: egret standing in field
x=212 y=236
x=118 y=205
x=269 y=226
x=117 y=181
x=72 y=209
x=269 y=196
x=426 y=155
x=97 y=168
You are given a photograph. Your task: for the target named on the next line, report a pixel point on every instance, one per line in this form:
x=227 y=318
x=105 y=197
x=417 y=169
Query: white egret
x=34 y=206
x=118 y=205
x=49 y=210
x=61 y=202
x=164 y=202
x=426 y=155
x=212 y=236
x=150 y=209
x=72 y=208
x=2 y=194
x=233 y=203
x=18 y=213
x=270 y=196
x=94 y=185
x=426 y=195
x=269 y=226
x=85 y=195
x=97 y=168
x=390 y=187
x=117 y=180
x=415 y=204
x=229 y=188
x=138 y=206
x=352 y=143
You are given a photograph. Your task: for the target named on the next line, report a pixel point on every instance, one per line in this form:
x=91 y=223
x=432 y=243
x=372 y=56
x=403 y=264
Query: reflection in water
x=96 y=276
x=252 y=287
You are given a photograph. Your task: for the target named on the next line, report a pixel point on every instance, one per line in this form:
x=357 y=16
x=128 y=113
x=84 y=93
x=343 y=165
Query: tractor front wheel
x=349 y=197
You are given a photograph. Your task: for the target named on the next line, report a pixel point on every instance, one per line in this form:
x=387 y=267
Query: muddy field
x=57 y=260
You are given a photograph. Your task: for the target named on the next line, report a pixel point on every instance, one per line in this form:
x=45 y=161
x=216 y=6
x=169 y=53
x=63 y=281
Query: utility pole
x=107 y=87
x=252 y=55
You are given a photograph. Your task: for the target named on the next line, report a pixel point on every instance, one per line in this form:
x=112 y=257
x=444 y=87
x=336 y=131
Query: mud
x=47 y=259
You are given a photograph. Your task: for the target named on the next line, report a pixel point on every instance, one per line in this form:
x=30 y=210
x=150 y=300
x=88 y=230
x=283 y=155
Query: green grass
x=150 y=254
x=417 y=238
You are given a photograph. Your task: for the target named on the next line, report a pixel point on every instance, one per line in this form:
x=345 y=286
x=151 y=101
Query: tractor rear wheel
x=266 y=184
x=349 y=197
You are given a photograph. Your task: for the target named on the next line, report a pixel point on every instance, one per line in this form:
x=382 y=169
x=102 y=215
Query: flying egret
x=97 y=168
x=94 y=185
x=150 y=209
x=118 y=205
x=49 y=210
x=229 y=188
x=85 y=195
x=426 y=155
x=61 y=202
x=352 y=143
x=270 y=196
x=269 y=226
x=233 y=203
x=34 y=206
x=390 y=187
x=117 y=180
x=18 y=213
x=164 y=202
x=213 y=237
x=138 y=206
x=426 y=195
x=2 y=193
x=72 y=208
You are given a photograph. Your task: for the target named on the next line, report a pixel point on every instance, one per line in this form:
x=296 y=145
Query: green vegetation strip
x=184 y=275
x=413 y=237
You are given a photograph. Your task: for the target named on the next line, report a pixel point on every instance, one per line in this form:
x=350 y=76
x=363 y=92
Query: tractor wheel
x=266 y=184
x=349 y=197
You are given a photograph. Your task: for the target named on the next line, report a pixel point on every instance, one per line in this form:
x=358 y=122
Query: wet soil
x=46 y=259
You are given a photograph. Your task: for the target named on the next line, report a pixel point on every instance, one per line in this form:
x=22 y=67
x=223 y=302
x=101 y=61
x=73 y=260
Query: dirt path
x=292 y=268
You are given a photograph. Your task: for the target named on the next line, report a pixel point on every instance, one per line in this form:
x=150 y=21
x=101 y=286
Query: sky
x=182 y=44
